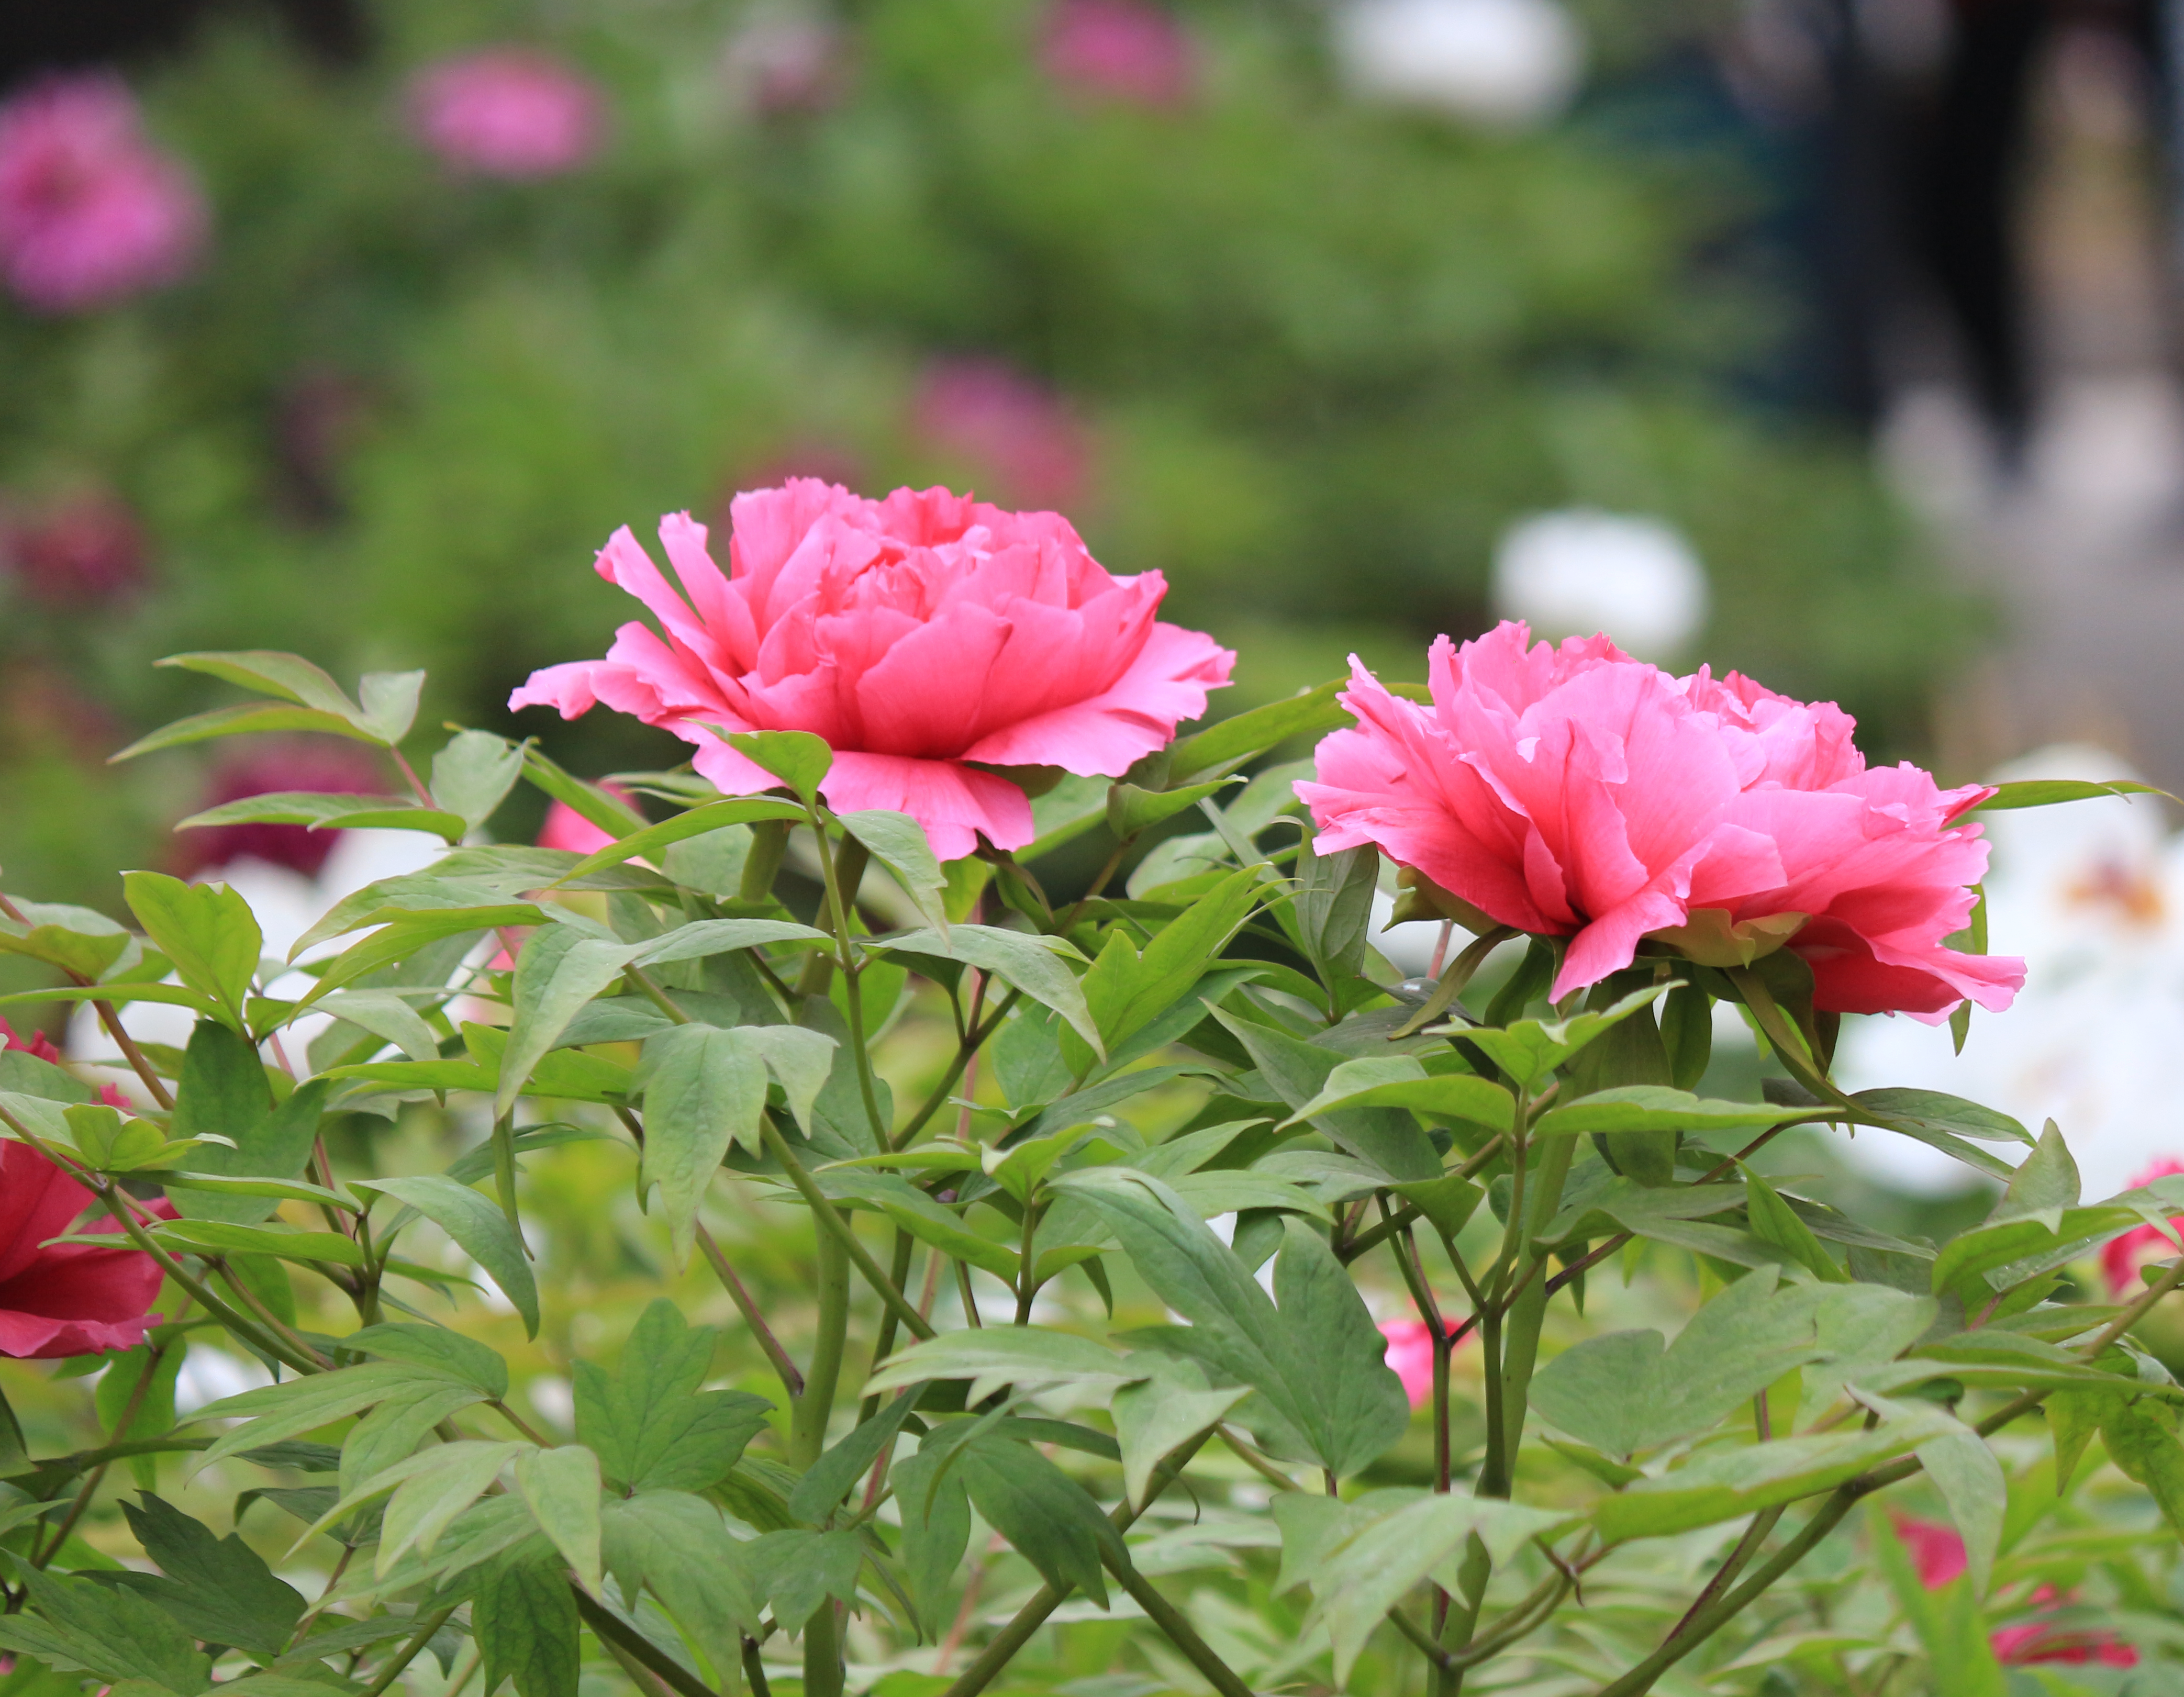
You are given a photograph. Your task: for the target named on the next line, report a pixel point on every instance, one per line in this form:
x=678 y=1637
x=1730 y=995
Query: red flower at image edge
x=1575 y=792
x=40 y=1047
x=928 y=637
x=1938 y=1553
x=70 y=1300
x=2122 y=1257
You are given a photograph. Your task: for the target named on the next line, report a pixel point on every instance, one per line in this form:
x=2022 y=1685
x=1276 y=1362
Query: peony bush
x=772 y=1232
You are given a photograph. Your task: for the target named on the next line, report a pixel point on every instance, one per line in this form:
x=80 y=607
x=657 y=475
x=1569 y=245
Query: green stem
x=762 y=864
x=970 y=1045
x=227 y=1316
x=391 y=1669
x=110 y=1017
x=1173 y=1622
x=844 y=870
x=609 y=1630
x=809 y=1415
x=792 y=1379
x=883 y=1345
x=859 y=1256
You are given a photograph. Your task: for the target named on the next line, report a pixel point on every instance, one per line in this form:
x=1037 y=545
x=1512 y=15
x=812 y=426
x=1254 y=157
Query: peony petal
x=1166 y=685
x=955 y=803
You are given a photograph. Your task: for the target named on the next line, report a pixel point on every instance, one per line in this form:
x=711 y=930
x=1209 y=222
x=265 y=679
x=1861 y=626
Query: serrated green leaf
x=562 y=1487
x=678 y=1546
x=525 y=1619
x=219 y=1588
x=437 y=1348
x=481 y=1229
x=651 y=1426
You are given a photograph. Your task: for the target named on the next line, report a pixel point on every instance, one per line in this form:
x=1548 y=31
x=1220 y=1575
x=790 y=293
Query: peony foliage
x=1074 y=1208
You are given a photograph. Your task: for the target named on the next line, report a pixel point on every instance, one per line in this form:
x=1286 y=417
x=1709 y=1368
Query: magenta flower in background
x=83 y=551
x=568 y=830
x=2122 y=1257
x=1013 y=428
x=1119 y=50
x=928 y=637
x=90 y=211
x=507 y=112
x=1938 y=1553
x=271 y=767
x=1409 y=1356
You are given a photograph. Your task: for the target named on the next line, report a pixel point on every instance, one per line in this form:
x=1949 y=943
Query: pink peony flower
x=271 y=767
x=928 y=638
x=1575 y=792
x=1119 y=50
x=91 y=212
x=72 y=1300
x=78 y=553
x=2122 y=1257
x=507 y=112
x=1938 y=1553
x=1411 y=1355
x=993 y=417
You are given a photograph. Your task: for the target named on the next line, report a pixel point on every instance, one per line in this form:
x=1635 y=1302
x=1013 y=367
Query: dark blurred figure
x=52 y=35
x=1911 y=121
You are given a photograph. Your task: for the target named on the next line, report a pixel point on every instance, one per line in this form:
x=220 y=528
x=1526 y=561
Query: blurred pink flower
x=507 y=112
x=568 y=830
x=928 y=637
x=1122 y=50
x=1938 y=1553
x=271 y=766
x=1411 y=1355
x=1001 y=422
x=79 y=552
x=2122 y=1257
x=91 y=212
x=1574 y=792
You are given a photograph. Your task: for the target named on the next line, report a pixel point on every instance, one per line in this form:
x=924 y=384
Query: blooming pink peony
x=1119 y=50
x=91 y=212
x=1938 y=1553
x=2122 y=1257
x=1410 y=1355
x=991 y=415
x=507 y=112
x=928 y=638
x=72 y=1300
x=269 y=768
x=1575 y=791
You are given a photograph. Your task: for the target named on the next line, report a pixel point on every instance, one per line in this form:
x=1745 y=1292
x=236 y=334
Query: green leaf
x=206 y=930
x=112 y=1634
x=1400 y=1080
x=75 y=939
x=288 y=1242
x=1934 y=1111
x=1447 y=1203
x=1129 y=993
x=280 y=1189
x=705 y=1088
x=430 y=1490
x=609 y=812
x=385 y=1014
x=936 y=1525
x=288 y=1409
x=1047 y=1517
x=322 y=812
x=389 y=700
x=1334 y=906
x=434 y=1347
x=1529 y=1049
x=481 y=1229
x=2074 y=1416
x=897 y=842
x=2149 y=1455
x=924 y=1218
x=837 y=1472
x=562 y=1487
x=798 y=759
x=1232 y=741
x=219 y=1588
x=473 y=774
x=1155 y=1417
x=557 y=973
x=1132 y=810
x=1775 y=1222
x=1655 y=1107
x=289 y=677
x=524 y=1617
x=1034 y=965
x=1687 y=1034
x=2045 y=1184
x=650 y=840
x=1626 y=1391
x=1970 y=1479
x=221 y=1072
x=650 y=1425
x=1300 y=1071
x=801 y=1570
x=391 y=1433
x=2047 y=792
x=1032 y=1358
x=241 y=719
x=678 y=1545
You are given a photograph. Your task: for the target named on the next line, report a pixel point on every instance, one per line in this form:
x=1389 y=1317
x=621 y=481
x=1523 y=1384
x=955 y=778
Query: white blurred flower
x=2092 y=894
x=207 y=1374
x=1576 y=572
x=1505 y=64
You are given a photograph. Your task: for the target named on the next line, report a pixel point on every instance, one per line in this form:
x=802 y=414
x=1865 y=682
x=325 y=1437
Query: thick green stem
x=809 y=1415
x=762 y=864
x=391 y=1669
x=1180 y=1633
x=830 y=1218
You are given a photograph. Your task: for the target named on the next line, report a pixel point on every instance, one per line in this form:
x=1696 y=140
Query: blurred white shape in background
x=208 y=1374
x=1506 y=63
x=1579 y=571
x=2092 y=894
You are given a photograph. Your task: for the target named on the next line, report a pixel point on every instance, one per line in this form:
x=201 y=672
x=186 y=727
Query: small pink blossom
x=1574 y=792
x=1130 y=51
x=1938 y=1553
x=1411 y=1355
x=2122 y=1257
x=999 y=422
x=929 y=638
x=91 y=212
x=271 y=767
x=507 y=112
x=81 y=551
